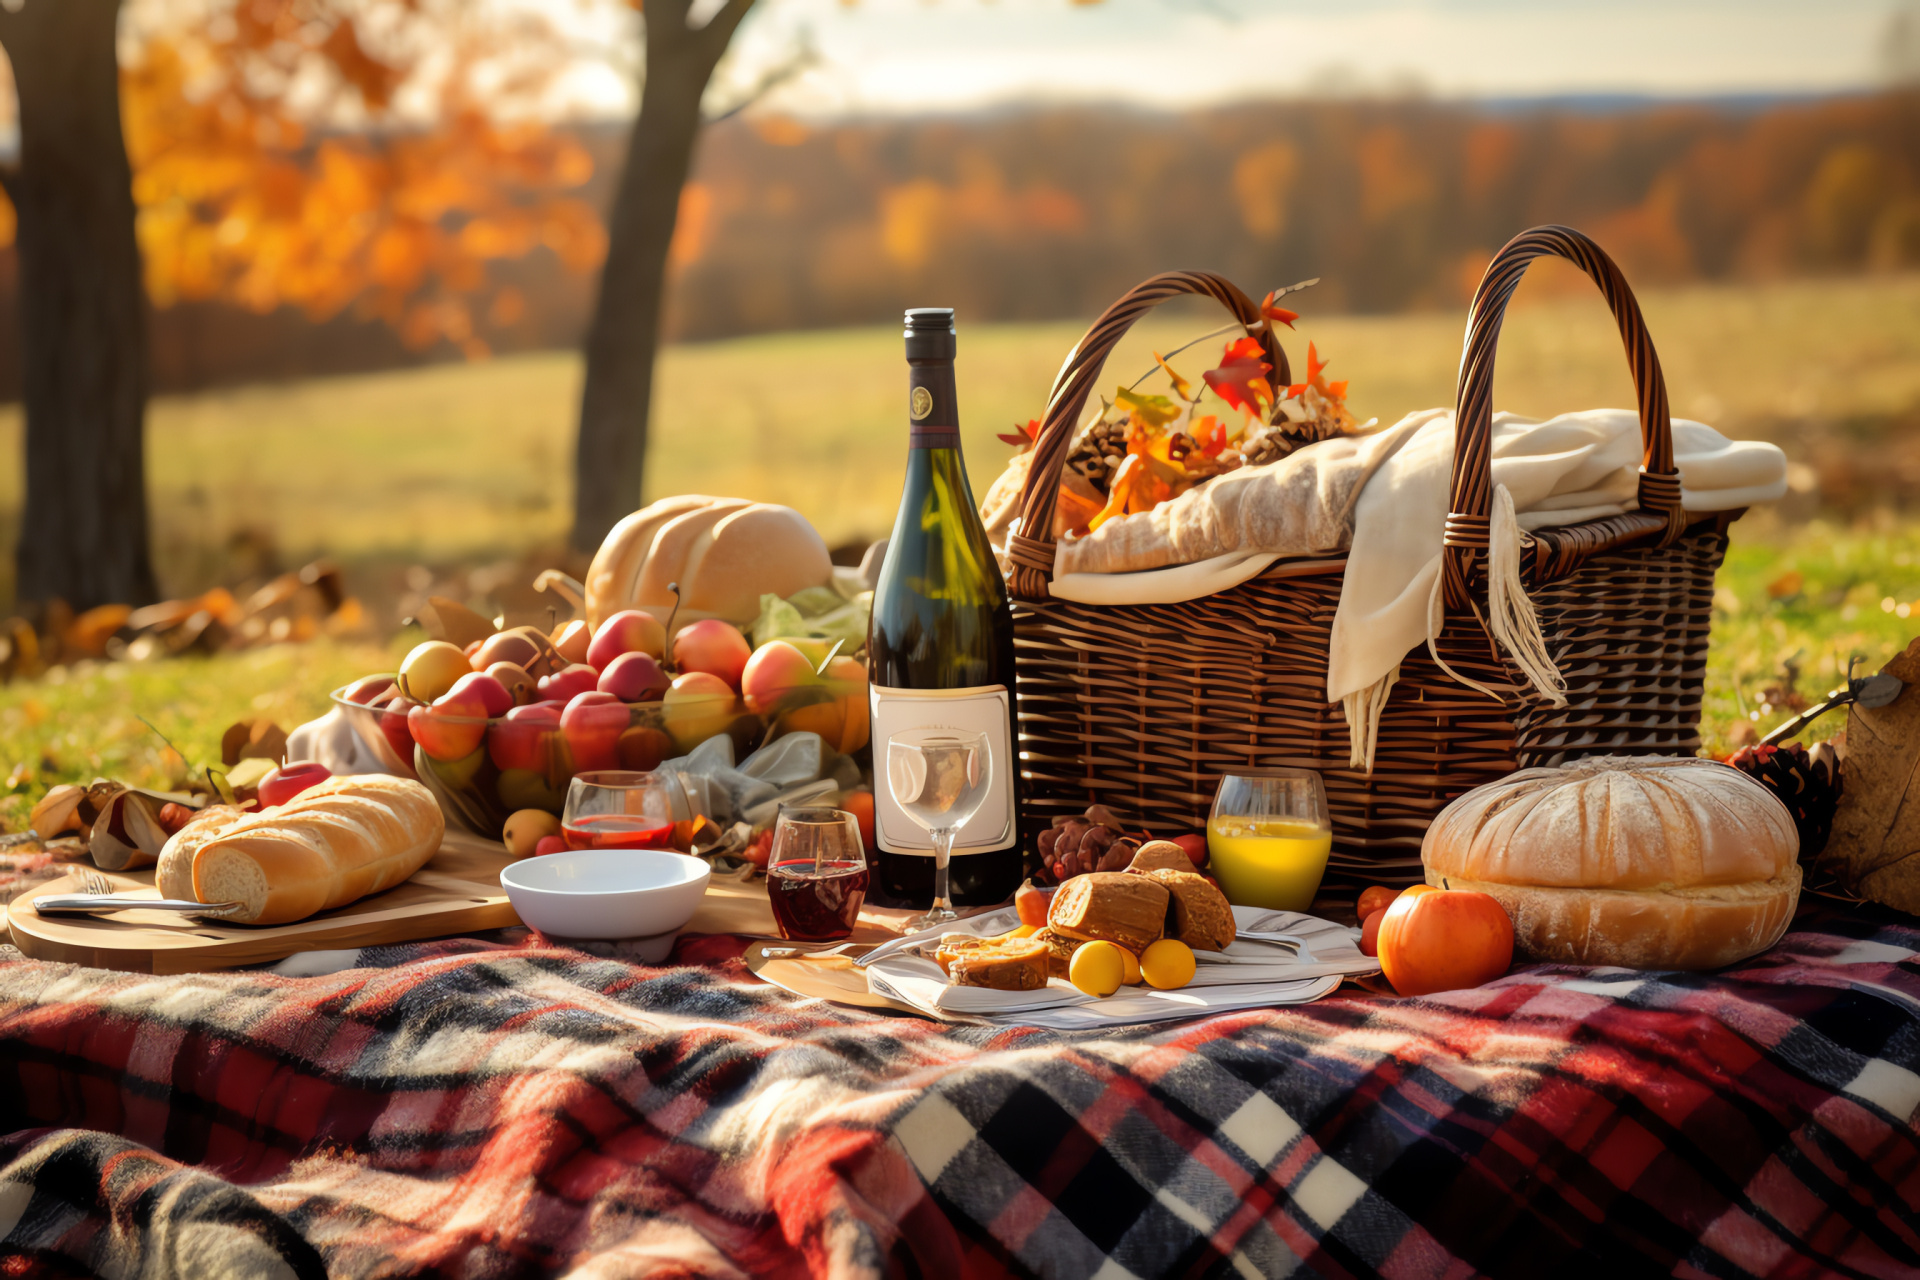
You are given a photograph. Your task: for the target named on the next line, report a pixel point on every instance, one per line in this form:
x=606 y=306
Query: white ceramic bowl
x=607 y=893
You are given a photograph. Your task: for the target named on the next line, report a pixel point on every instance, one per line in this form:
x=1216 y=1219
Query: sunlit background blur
x=371 y=258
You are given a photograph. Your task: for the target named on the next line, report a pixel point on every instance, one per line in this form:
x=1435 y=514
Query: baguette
x=174 y=875
x=331 y=844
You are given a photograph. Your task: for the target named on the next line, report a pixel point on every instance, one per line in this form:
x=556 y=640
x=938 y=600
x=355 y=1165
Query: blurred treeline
x=1044 y=214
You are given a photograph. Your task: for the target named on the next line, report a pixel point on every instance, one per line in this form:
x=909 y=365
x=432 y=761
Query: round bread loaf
x=724 y=553
x=1648 y=862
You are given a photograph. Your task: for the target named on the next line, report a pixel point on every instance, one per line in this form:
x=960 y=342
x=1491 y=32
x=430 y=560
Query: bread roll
x=174 y=876
x=1199 y=914
x=1003 y=964
x=329 y=845
x=1648 y=863
x=1110 y=906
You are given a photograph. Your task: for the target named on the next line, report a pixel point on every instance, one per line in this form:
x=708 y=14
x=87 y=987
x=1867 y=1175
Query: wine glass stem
x=942 y=850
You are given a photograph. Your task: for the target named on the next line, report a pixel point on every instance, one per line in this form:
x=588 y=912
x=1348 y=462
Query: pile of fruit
x=504 y=723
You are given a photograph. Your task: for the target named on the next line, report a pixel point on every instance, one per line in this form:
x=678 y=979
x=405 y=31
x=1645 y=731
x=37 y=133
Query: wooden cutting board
x=457 y=892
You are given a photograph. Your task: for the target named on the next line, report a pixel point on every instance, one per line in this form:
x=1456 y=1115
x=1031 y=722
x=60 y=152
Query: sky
x=936 y=55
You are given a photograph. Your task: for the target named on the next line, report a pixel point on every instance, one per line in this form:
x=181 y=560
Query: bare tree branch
x=803 y=58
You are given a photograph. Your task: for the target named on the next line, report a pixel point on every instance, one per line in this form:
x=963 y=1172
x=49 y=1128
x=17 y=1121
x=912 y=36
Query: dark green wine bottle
x=940 y=646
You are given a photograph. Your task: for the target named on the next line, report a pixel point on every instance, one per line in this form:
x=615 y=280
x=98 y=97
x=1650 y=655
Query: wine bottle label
x=984 y=709
x=931 y=412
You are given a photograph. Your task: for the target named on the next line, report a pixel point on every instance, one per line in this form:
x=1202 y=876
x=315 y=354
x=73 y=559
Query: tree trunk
x=610 y=455
x=83 y=535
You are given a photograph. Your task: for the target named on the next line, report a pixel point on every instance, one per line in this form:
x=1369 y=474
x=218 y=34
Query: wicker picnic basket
x=1143 y=707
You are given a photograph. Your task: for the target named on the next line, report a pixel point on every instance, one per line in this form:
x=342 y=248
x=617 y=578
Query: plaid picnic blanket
x=503 y=1108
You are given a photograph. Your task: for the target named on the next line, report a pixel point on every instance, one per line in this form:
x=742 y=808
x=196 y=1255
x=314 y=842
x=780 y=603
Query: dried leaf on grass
x=1875 y=847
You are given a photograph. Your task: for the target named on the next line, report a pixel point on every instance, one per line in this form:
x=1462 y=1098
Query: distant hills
x=1051 y=213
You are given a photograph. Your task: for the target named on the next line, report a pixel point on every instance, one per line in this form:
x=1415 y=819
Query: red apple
x=289 y=780
x=699 y=705
x=524 y=740
x=568 y=682
x=508 y=646
x=367 y=688
x=634 y=677
x=1195 y=847
x=516 y=681
x=549 y=844
x=773 y=671
x=629 y=631
x=393 y=723
x=573 y=640
x=592 y=724
x=493 y=694
x=452 y=728
x=714 y=647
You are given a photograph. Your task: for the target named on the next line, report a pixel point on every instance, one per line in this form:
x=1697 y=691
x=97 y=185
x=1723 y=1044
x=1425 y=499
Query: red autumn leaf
x=1276 y=313
x=1210 y=435
x=1241 y=379
x=1020 y=437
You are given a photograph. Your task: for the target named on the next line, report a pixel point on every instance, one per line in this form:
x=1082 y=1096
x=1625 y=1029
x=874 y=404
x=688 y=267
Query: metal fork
x=100 y=896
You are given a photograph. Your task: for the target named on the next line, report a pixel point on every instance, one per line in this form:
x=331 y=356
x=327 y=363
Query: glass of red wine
x=618 y=809
x=816 y=874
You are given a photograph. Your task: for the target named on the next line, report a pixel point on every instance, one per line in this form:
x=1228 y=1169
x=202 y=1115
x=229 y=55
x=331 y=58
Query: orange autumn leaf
x=1020 y=437
x=1240 y=378
x=1316 y=368
x=1181 y=387
x=1271 y=309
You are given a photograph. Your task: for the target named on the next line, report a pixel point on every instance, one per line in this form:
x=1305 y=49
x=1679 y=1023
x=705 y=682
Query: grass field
x=453 y=464
x=457 y=463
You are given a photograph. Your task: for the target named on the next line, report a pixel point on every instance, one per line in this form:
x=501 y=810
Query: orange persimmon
x=1444 y=939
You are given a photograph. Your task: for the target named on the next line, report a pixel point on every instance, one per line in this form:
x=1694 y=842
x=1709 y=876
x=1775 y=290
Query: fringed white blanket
x=1576 y=467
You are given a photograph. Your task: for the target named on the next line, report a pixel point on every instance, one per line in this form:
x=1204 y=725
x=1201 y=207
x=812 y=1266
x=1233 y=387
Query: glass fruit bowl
x=482 y=769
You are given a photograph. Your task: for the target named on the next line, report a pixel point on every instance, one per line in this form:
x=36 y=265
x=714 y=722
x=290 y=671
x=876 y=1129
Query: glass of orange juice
x=1268 y=837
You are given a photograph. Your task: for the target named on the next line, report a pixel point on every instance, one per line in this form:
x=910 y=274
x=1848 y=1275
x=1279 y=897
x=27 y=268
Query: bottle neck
x=933 y=409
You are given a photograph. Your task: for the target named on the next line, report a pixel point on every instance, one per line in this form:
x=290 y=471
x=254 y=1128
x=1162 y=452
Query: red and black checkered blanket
x=479 y=1109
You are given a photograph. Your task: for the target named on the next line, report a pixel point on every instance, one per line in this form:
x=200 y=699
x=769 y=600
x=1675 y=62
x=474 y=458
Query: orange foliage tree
x=251 y=190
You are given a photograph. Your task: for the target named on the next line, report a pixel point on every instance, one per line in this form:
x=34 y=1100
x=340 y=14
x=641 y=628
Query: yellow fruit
x=1025 y=931
x=1130 y=965
x=1166 y=964
x=525 y=829
x=1097 y=968
x=430 y=670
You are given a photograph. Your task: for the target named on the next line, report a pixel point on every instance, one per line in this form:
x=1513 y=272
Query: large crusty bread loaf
x=725 y=553
x=1650 y=863
x=174 y=875
x=331 y=844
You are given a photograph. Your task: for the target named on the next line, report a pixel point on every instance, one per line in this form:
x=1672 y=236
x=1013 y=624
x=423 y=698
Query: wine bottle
x=940 y=645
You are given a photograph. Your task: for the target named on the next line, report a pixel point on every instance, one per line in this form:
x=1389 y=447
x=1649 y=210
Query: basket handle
x=1471 y=495
x=1032 y=557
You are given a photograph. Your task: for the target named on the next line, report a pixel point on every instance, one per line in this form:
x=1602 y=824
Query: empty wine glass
x=939 y=778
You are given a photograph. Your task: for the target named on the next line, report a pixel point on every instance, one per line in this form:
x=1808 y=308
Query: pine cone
x=1268 y=446
x=1808 y=783
x=1099 y=454
x=1075 y=846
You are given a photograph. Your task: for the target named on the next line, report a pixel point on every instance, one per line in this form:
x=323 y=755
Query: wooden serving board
x=458 y=891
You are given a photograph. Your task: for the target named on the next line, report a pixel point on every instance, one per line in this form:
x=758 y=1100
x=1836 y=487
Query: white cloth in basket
x=1564 y=470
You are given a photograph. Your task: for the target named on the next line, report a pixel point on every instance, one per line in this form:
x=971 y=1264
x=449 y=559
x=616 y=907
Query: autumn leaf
x=1181 y=387
x=1314 y=365
x=1209 y=435
x=1270 y=309
x=1240 y=379
x=1150 y=411
x=1021 y=437
x=1119 y=489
